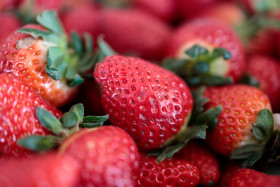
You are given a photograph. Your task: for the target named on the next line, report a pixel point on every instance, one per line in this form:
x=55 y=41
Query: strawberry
x=241 y=119
x=8 y=4
x=44 y=60
x=44 y=170
x=227 y=173
x=74 y=19
x=107 y=156
x=203 y=159
x=11 y=24
x=121 y=30
x=162 y=9
x=18 y=114
x=174 y=172
x=152 y=104
x=268 y=80
x=206 y=44
x=252 y=178
x=227 y=12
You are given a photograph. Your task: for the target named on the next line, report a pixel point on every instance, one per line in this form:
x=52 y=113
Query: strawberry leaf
x=89 y=42
x=196 y=50
x=169 y=151
x=69 y=119
x=263 y=129
x=249 y=162
x=91 y=125
x=78 y=109
x=34 y=33
x=77 y=42
x=95 y=119
x=214 y=80
x=49 y=121
x=199 y=101
x=38 y=143
x=201 y=67
x=247 y=151
x=221 y=52
x=249 y=80
x=105 y=49
x=49 y=20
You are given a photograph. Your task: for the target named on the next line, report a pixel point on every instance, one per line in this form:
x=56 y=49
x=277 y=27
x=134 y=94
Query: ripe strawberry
x=107 y=156
x=239 y=117
x=268 y=79
x=174 y=172
x=162 y=9
x=18 y=114
x=44 y=170
x=43 y=59
x=252 y=178
x=228 y=12
x=11 y=24
x=152 y=104
x=227 y=173
x=212 y=36
x=121 y=30
x=74 y=19
x=203 y=159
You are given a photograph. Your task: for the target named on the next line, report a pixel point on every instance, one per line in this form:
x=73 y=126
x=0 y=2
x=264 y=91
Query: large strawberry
x=121 y=30
x=41 y=56
x=107 y=156
x=201 y=157
x=152 y=104
x=207 y=50
x=245 y=122
x=253 y=178
x=44 y=170
x=174 y=172
x=268 y=79
x=11 y=24
x=18 y=117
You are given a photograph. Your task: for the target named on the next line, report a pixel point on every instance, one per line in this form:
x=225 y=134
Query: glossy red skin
x=227 y=173
x=29 y=64
x=149 y=102
x=44 y=170
x=107 y=156
x=269 y=79
x=121 y=29
x=11 y=24
x=251 y=178
x=204 y=159
x=241 y=104
x=162 y=9
x=82 y=19
x=216 y=34
x=174 y=172
x=18 y=115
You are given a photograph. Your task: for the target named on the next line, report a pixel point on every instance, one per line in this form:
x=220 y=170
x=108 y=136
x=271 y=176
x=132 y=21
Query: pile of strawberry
x=139 y=93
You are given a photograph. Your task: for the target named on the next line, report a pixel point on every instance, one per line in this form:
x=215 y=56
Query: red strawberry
x=210 y=34
x=163 y=9
x=43 y=59
x=227 y=173
x=121 y=29
x=46 y=170
x=74 y=19
x=18 y=114
x=252 y=178
x=227 y=12
x=241 y=106
x=11 y=24
x=203 y=159
x=174 y=172
x=267 y=79
x=152 y=104
x=107 y=156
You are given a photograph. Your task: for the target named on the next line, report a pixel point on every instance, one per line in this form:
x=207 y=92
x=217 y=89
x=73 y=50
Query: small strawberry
x=244 y=116
x=162 y=9
x=41 y=56
x=207 y=50
x=203 y=159
x=44 y=170
x=121 y=30
x=18 y=118
x=252 y=178
x=174 y=172
x=11 y=24
x=107 y=156
x=268 y=79
x=152 y=104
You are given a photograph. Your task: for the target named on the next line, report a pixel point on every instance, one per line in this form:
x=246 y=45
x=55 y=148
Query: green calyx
x=61 y=128
x=202 y=67
x=201 y=122
x=266 y=6
x=65 y=61
x=263 y=132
